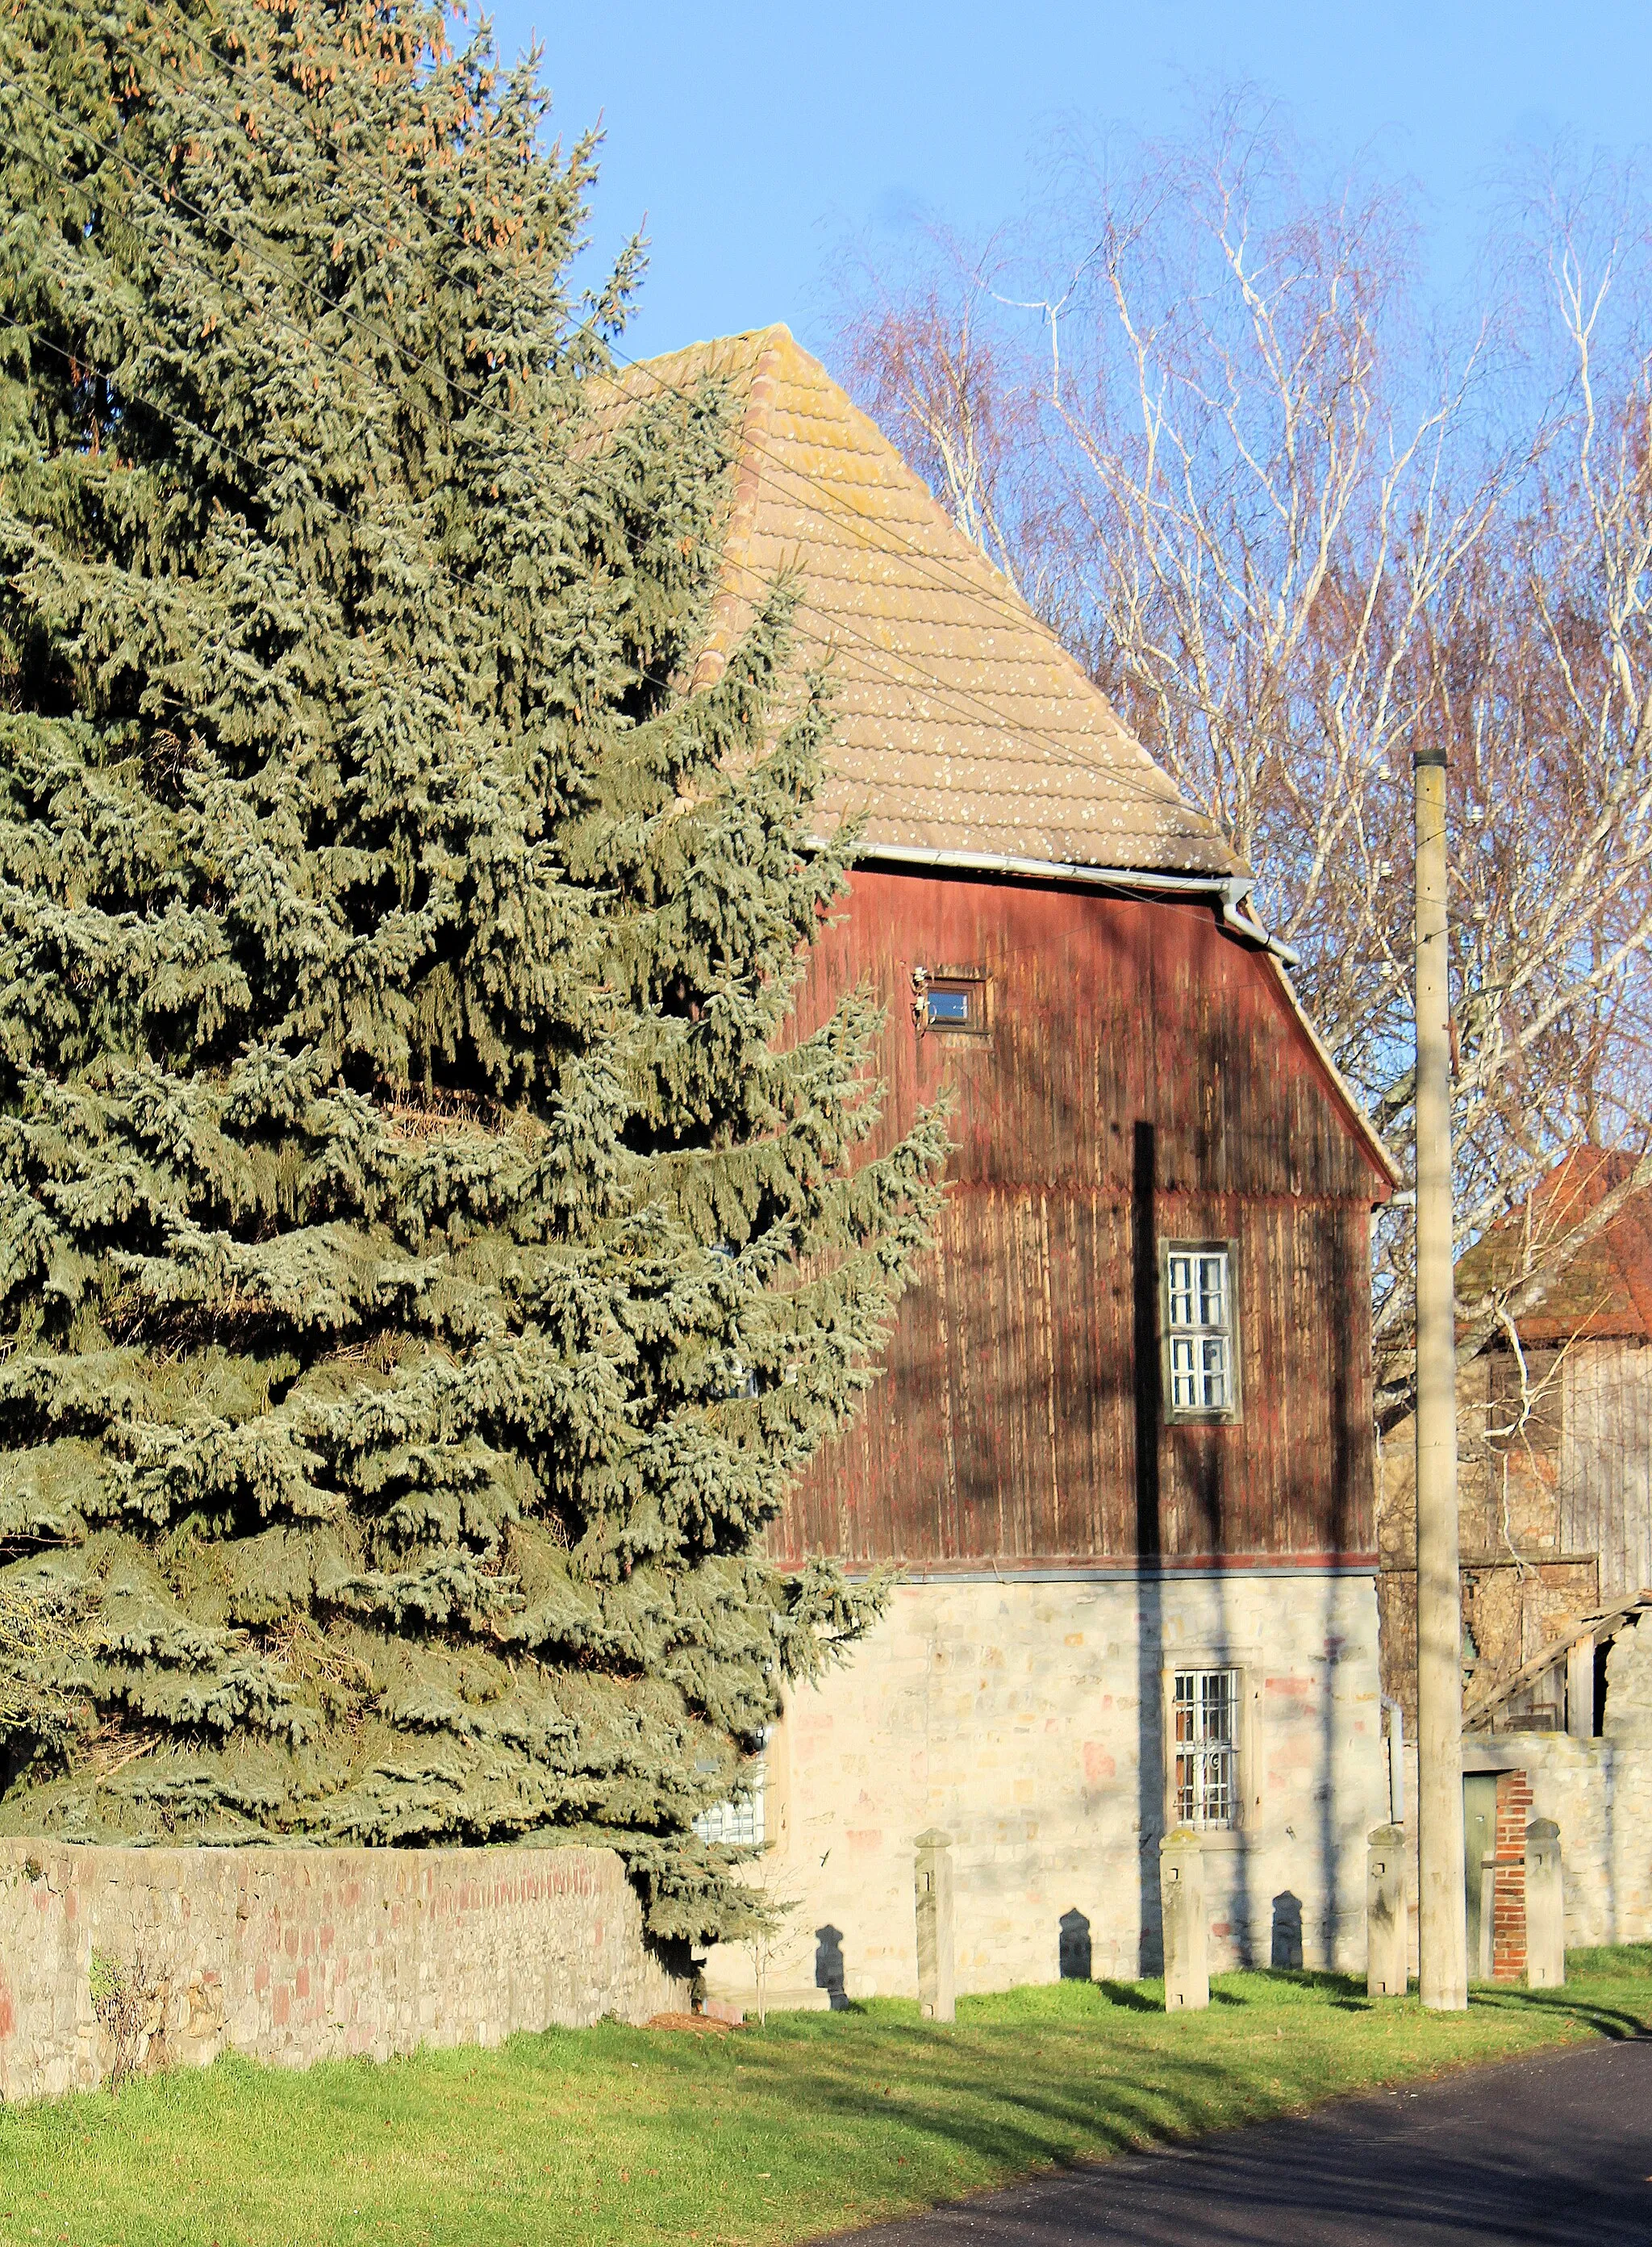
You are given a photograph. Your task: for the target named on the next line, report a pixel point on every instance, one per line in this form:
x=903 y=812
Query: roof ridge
x=742 y=514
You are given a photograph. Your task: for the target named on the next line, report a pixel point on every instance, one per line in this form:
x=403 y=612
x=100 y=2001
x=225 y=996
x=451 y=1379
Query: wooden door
x=1479 y=1841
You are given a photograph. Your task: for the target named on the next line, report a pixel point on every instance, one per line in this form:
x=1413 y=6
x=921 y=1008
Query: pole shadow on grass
x=1147 y=2094
x=1615 y=2025
x=1131 y=1997
x=829 y=1966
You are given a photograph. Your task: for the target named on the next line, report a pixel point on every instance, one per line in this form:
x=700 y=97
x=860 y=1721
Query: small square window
x=1200 y=1331
x=953 y=1001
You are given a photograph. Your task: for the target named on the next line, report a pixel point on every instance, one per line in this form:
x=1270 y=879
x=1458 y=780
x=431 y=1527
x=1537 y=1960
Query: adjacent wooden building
x=1554 y=1442
x=1554 y=1435
x=1121 y=1448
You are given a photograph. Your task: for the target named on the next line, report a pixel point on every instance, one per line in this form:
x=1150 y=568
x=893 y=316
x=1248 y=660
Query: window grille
x=1200 y=1330
x=1207 y=1747
x=737 y=1822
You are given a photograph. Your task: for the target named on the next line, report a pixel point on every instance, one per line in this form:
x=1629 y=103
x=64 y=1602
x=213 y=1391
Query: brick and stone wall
x=299 y=1955
x=1514 y=1813
x=1598 y=1793
x=1028 y=1719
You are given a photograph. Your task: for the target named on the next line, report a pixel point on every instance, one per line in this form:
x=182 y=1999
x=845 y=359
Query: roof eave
x=1232 y=890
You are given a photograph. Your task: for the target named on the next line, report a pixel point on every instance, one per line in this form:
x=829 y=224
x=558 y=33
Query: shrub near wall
x=115 y=1959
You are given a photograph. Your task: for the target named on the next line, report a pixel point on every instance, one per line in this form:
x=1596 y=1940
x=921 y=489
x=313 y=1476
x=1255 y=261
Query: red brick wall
x=1508 y=1891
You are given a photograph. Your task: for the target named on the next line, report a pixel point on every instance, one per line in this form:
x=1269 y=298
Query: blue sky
x=759 y=141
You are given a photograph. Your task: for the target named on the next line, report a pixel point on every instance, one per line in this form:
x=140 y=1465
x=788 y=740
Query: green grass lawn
x=816 y=2123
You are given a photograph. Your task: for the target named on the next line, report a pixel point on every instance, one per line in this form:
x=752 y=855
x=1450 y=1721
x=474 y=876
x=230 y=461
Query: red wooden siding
x=1128 y=1040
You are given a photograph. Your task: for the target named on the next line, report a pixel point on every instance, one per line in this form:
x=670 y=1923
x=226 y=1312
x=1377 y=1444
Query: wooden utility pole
x=1442 y=1936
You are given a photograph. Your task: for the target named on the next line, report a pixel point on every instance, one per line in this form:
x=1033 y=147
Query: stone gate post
x=1386 y=1932
x=932 y=1896
x=1181 y=1885
x=1545 y=1907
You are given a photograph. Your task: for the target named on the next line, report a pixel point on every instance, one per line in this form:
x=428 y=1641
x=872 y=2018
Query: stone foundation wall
x=1598 y=1793
x=1030 y=1721
x=142 y=1958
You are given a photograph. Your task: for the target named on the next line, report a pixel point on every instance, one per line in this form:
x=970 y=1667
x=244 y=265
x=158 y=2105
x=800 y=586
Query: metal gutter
x=1233 y=912
x=1230 y=889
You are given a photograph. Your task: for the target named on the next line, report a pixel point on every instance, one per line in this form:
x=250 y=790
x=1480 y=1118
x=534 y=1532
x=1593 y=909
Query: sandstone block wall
x=1598 y=1793
x=299 y=1955
x=1030 y=1720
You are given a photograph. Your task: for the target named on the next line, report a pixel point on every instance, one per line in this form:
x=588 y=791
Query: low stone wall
x=1598 y=1793
x=130 y=1958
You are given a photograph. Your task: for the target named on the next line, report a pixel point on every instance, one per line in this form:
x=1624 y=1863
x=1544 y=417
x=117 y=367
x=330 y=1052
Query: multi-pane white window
x=1207 y=1747
x=1201 y=1373
x=737 y=1822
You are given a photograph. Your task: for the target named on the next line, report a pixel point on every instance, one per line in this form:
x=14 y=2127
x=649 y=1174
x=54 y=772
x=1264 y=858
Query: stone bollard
x=1386 y=1931
x=1545 y=1907
x=933 y=1883
x=1181 y=1888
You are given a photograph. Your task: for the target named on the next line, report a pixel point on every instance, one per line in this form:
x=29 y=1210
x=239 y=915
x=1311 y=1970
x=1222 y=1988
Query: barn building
x=1121 y=1451
x=1554 y=1446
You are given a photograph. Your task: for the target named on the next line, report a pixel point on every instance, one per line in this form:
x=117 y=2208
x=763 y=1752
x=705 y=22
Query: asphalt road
x=1548 y=2149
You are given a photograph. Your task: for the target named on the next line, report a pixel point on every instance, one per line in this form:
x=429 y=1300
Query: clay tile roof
x=962 y=725
x=1605 y=1292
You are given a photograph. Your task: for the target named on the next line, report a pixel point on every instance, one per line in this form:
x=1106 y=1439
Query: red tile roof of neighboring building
x=1605 y=1292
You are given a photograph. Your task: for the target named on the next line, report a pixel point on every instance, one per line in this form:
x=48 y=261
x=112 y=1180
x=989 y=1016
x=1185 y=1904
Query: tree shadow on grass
x=1363 y=2166
x=1611 y=2022
x=1131 y=1997
x=1131 y=2095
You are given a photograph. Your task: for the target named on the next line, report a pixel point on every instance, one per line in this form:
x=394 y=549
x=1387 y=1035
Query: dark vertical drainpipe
x=1150 y=1632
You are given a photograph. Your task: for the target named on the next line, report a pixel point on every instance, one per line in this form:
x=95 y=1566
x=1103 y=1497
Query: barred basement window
x=1206 y=1746
x=739 y=1822
x=1201 y=1331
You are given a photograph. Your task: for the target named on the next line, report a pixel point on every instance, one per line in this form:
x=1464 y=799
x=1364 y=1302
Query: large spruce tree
x=426 y=1246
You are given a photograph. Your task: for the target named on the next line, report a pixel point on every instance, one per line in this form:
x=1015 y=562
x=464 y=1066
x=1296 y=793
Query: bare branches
x=1294 y=536
x=950 y=390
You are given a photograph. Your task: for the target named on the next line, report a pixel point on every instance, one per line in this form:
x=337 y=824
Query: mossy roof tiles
x=962 y=725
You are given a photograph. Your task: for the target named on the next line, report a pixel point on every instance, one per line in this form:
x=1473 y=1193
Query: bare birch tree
x=954 y=392
x=1293 y=537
